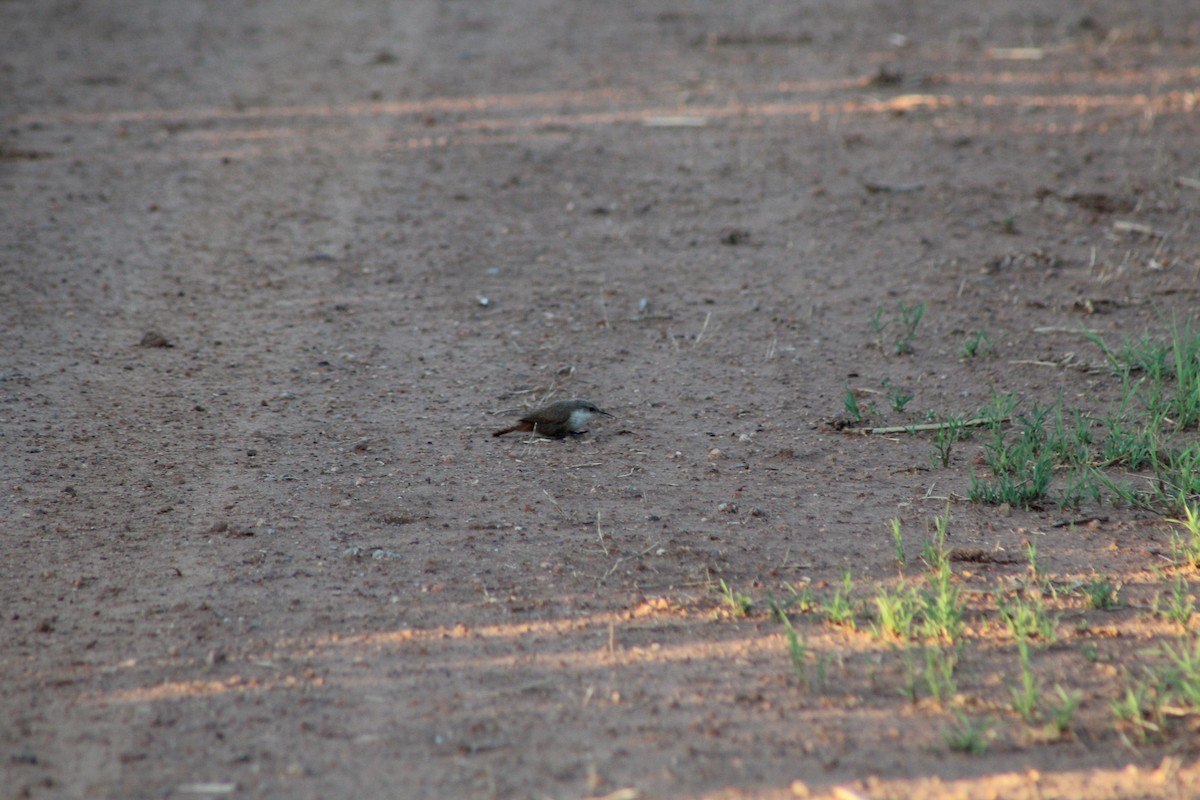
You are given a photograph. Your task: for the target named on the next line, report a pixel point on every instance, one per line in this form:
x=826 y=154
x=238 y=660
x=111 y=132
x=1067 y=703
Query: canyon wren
x=557 y=419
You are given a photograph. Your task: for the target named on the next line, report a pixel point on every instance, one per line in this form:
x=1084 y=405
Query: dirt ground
x=272 y=272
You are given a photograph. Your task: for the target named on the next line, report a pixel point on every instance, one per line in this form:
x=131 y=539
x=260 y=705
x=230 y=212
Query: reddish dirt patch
x=273 y=551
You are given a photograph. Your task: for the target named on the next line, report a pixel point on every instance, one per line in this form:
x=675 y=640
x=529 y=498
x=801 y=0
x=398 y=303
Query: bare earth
x=271 y=549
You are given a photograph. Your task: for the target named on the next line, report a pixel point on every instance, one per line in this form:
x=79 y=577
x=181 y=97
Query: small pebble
x=154 y=339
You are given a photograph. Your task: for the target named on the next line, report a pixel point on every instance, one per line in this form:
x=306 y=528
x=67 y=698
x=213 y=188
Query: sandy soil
x=271 y=273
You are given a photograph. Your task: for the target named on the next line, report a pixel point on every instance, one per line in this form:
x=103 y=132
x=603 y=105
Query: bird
x=557 y=420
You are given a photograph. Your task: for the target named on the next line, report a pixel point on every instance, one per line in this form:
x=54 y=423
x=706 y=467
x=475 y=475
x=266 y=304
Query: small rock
x=384 y=555
x=154 y=339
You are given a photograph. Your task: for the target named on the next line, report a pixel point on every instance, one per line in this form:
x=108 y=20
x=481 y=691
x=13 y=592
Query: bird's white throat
x=579 y=418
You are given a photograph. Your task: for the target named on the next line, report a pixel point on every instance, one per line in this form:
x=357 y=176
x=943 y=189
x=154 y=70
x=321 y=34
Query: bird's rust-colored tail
x=520 y=426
